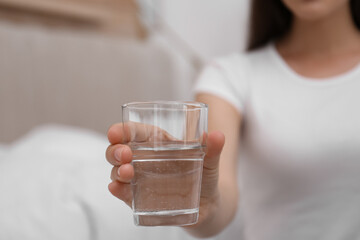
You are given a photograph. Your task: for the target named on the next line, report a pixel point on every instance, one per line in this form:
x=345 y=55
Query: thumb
x=215 y=144
x=210 y=176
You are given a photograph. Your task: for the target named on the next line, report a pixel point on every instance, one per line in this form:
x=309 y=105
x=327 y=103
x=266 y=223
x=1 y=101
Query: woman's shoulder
x=232 y=76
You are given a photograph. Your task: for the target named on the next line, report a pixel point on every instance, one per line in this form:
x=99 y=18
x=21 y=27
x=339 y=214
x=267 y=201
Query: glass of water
x=168 y=141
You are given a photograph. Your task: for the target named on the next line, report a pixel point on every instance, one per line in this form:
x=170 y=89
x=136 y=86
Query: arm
x=219 y=196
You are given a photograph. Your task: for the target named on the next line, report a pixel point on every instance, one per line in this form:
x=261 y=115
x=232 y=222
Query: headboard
x=81 y=79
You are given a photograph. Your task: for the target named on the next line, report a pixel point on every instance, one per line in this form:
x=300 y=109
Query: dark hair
x=271 y=19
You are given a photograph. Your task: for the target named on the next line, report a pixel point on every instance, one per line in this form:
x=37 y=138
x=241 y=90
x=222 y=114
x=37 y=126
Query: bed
x=59 y=92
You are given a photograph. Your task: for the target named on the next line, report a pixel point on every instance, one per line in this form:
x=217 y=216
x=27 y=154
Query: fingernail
x=117 y=154
x=118 y=172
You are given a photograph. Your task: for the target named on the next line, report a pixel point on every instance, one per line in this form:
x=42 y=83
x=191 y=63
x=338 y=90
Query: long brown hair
x=270 y=19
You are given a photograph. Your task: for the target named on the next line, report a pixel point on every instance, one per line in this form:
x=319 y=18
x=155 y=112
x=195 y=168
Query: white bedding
x=3 y=150
x=53 y=185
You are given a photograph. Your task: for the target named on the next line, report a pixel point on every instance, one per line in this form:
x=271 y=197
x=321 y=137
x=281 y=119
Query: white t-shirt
x=299 y=165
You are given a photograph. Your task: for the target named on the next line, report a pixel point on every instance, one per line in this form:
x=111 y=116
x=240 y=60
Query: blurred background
x=66 y=67
x=76 y=61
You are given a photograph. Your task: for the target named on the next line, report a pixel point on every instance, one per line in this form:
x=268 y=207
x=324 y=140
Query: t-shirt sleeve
x=219 y=80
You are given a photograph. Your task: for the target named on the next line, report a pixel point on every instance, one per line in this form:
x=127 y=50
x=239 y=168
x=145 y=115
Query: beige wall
x=211 y=27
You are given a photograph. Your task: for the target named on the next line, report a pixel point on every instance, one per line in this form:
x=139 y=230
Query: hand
x=120 y=156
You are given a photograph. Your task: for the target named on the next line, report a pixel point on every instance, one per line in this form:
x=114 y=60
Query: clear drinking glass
x=168 y=141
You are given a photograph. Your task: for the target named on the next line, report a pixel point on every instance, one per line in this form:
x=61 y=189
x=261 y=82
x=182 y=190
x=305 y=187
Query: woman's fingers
x=118 y=154
x=120 y=187
x=131 y=131
x=123 y=173
x=121 y=191
x=117 y=133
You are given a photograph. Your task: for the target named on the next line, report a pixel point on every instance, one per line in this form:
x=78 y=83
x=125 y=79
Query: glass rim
x=166 y=105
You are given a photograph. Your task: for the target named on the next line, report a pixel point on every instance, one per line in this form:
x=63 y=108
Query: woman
x=294 y=97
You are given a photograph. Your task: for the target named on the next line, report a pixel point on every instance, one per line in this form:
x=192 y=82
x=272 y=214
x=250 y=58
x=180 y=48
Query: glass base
x=168 y=218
